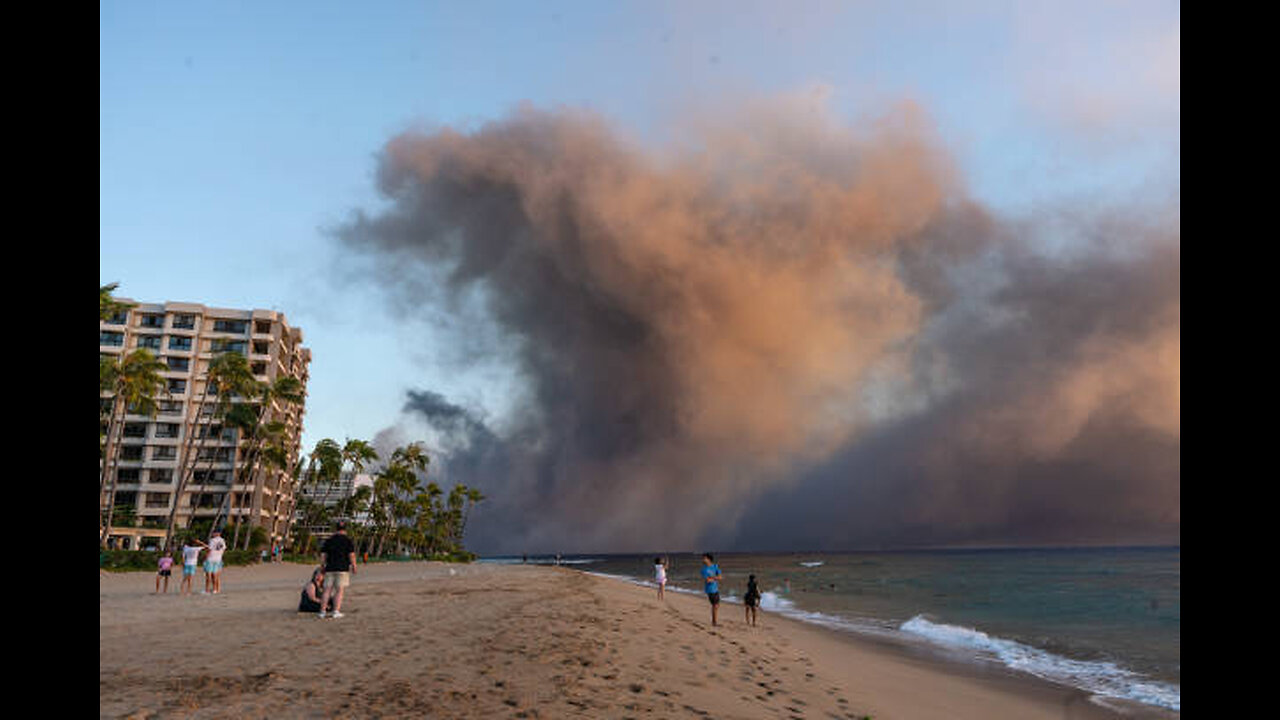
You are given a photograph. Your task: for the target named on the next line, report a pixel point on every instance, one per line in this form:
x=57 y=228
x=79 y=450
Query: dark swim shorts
x=751 y=600
x=714 y=598
x=165 y=573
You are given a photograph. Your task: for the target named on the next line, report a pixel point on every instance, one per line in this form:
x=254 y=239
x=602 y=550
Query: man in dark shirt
x=338 y=554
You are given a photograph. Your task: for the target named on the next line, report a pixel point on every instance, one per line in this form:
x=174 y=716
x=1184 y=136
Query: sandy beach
x=512 y=641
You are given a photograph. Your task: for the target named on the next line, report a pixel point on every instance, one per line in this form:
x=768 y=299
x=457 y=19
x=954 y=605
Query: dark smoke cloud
x=790 y=333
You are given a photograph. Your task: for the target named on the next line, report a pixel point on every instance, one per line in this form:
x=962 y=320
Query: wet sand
x=511 y=641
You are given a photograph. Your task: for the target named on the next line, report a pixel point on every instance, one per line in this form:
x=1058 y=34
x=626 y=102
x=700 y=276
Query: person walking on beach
x=751 y=600
x=660 y=574
x=190 y=558
x=339 y=557
x=213 y=563
x=166 y=569
x=711 y=583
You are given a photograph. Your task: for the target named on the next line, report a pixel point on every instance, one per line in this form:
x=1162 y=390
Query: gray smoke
x=793 y=334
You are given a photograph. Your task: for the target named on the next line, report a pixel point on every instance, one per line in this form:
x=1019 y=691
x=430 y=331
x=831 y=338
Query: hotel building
x=152 y=450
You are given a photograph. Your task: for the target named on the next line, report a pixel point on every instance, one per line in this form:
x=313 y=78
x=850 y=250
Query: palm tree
x=108 y=306
x=252 y=422
x=401 y=480
x=474 y=496
x=329 y=458
x=276 y=458
x=133 y=382
x=228 y=375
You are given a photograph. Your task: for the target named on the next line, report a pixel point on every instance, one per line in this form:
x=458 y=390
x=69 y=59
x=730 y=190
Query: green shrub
x=131 y=560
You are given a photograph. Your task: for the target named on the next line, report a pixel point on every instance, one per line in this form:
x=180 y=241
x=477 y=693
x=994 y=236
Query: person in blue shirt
x=711 y=580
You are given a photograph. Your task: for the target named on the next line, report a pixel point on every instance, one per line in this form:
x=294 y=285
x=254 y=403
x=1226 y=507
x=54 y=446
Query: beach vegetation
x=135 y=560
x=401 y=516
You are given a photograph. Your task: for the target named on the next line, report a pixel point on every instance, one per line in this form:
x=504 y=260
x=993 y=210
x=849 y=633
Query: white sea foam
x=815 y=563
x=1101 y=678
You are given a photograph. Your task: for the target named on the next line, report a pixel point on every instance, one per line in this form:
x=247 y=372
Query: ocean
x=1105 y=620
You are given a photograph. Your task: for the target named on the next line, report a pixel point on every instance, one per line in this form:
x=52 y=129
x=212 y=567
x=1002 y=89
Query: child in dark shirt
x=751 y=600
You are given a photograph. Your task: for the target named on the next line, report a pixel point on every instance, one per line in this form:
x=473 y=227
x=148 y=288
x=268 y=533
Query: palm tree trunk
x=184 y=462
x=115 y=426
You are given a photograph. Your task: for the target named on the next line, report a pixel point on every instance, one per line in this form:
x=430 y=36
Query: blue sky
x=232 y=134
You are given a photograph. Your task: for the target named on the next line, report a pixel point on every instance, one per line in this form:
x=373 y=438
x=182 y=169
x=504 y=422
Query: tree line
x=398 y=512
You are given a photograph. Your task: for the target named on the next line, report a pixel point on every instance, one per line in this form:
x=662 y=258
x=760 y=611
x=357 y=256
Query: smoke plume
x=786 y=333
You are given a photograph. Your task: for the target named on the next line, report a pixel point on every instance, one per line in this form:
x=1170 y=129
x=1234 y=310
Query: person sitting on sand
x=166 y=569
x=312 y=592
x=660 y=574
x=710 y=578
x=751 y=600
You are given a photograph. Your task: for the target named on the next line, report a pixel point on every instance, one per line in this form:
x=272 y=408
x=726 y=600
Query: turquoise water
x=1105 y=620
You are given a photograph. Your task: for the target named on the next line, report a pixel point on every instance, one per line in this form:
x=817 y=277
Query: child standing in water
x=660 y=574
x=711 y=583
x=751 y=600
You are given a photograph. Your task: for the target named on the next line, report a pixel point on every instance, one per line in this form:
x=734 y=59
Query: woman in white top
x=660 y=574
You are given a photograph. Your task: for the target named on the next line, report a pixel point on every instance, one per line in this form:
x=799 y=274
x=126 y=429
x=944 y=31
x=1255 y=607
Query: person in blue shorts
x=711 y=583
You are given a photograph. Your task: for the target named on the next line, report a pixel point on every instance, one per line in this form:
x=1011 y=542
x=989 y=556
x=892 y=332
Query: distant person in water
x=711 y=583
x=660 y=574
x=751 y=600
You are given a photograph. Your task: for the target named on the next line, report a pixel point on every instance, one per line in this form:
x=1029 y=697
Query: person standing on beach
x=213 y=563
x=711 y=583
x=166 y=569
x=339 y=557
x=190 y=558
x=751 y=600
x=660 y=574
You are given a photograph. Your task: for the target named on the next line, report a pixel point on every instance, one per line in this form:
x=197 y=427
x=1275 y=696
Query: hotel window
x=179 y=364
x=110 y=338
x=211 y=477
x=127 y=475
x=164 y=452
x=225 y=346
x=262 y=327
x=157 y=500
x=135 y=430
x=131 y=452
x=221 y=454
x=169 y=407
x=166 y=430
x=161 y=476
x=177 y=342
x=261 y=347
x=177 y=386
x=119 y=318
x=237 y=327
x=184 y=322
x=151 y=342
x=151 y=321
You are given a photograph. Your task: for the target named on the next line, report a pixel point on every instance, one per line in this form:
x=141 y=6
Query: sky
x=245 y=152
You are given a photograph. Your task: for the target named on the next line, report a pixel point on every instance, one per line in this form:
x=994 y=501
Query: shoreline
x=903 y=647
x=426 y=639
x=882 y=650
